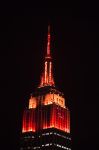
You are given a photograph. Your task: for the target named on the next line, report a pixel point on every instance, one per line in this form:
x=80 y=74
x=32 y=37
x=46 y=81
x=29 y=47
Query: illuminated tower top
x=46 y=108
x=47 y=74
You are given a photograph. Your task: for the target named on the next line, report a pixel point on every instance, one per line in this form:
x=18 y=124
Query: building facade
x=46 y=121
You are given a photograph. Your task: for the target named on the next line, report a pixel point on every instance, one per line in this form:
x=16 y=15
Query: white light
x=46 y=144
x=51 y=132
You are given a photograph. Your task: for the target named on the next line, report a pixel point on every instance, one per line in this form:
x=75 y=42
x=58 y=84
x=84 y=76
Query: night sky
x=74 y=47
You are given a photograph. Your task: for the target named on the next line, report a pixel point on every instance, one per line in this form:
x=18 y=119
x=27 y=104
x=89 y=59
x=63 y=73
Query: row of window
x=38 y=147
x=28 y=137
x=62 y=136
x=56 y=134
x=58 y=145
x=48 y=144
x=43 y=134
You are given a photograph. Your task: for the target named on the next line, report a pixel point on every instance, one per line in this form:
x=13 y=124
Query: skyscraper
x=46 y=121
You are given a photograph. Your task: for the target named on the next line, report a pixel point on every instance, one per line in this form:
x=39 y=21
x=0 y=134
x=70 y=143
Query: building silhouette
x=46 y=121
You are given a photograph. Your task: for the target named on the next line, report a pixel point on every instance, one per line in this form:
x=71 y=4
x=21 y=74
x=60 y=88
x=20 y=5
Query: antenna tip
x=48 y=28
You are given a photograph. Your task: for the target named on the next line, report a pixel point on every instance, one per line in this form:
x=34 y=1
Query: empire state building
x=46 y=121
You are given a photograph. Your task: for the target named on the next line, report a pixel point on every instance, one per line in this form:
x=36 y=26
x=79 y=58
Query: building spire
x=48 y=41
x=47 y=75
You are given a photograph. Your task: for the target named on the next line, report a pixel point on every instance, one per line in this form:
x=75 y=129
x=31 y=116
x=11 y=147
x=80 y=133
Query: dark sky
x=74 y=44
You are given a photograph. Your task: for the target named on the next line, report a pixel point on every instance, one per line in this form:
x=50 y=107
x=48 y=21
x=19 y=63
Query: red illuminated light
x=28 y=121
x=52 y=116
x=47 y=75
